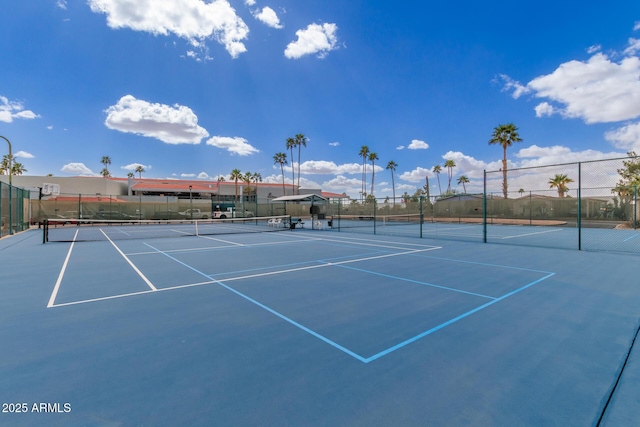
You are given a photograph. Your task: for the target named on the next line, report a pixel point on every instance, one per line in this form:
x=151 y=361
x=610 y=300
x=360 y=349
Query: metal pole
x=10 y=185
x=579 y=206
x=635 y=207
x=190 y=202
x=484 y=209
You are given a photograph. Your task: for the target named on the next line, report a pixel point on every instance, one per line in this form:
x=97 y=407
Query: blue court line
x=454 y=320
x=632 y=237
x=342 y=348
x=480 y=263
x=270 y=310
x=432 y=285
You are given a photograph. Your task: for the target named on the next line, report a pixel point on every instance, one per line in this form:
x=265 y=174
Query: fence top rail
x=562 y=164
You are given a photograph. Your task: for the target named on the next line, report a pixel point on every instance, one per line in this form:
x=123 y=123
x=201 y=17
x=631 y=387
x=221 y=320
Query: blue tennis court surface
x=309 y=327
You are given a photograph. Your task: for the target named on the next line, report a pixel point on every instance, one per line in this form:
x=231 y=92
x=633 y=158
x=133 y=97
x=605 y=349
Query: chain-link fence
x=14 y=209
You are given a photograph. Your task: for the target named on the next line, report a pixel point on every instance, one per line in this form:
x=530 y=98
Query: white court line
x=147 y=281
x=56 y=288
x=232 y=279
x=531 y=234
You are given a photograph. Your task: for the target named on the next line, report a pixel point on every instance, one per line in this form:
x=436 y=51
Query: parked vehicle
x=231 y=213
x=166 y=215
x=195 y=214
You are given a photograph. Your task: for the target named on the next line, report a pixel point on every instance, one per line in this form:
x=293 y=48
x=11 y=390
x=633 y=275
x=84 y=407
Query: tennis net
x=353 y=221
x=78 y=230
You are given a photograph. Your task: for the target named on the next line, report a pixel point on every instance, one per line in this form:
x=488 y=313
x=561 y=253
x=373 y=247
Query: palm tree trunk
x=393 y=185
x=504 y=174
x=284 y=191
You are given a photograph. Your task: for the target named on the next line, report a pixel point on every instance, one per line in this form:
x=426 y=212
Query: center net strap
x=69 y=230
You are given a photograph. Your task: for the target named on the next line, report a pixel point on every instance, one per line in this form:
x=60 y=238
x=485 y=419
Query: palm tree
x=106 y=161
x=364 y=153
x=256 y=178
x=139 y=170
x=301 y=141
x=392 y=167
x=130 y=175
x=17 y=168
x=236 y=174
x=246 y=178
x=281 y=159
x=505 y=135
x=372 y=158
x=449 y=164
x=521 y=191
x=291 y=144
x=463 y=180
x=560 y=182
x=437 y=169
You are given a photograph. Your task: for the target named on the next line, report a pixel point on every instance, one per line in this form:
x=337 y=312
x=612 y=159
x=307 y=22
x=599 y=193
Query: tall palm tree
x=301 y=141
x=236 y=174
x=291 y=144
x=256 y=177
x=392 y=167
x=506 y=136
x=449 y=164
x=372 y=158
x=139 y=170
x=364 y=153
x=521 y=191
x=281 y=159
x=437 y=169
x=105 y=173
x=106 y=161
x=463 y=180
x=560 y=182
x=17 y=168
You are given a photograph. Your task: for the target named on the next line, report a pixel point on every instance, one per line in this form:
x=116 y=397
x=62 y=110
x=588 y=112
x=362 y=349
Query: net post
x=45 y=229
x=484 y=208
x=578 y=221
x=196 y=225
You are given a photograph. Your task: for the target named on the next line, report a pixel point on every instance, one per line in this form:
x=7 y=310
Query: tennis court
x=313 y=327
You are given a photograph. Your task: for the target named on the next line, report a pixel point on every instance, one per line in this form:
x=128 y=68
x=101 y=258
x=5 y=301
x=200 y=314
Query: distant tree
x=236 y=175
x=437 y=169
x=256 y=177
x=449 y=164
x=372 y=158
x=106 y=161
x=392 y=167
x=364 y=153
x=140 y=170
x=521 y=191
x=505 y=136
x=463 y=180
x=130 y=175
x=17 y=168
x=301 y=141
x=291 y=144
x=281 y=159
x=560 y=182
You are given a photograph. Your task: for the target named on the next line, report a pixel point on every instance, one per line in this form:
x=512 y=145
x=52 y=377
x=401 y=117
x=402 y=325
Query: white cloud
x=595 y=91
x=416 y=144
x=417 y=175
x=171 y=124
x=187 y=175
x=315 y=39
x=193 y=20
x=24 y=155
x=250 y=2
x=10 y=110
x=269 y=17
x=203 y=175
x=636 y=27
x=593 y=49
x=626 y=137
x=544 y=109
x=400 y=147
x=78 y=169
x=133 y=166
x=334 y=144
x=517 y=88
x=235 y=145
x=634 y=46
x=323 y=167
x=62 y=4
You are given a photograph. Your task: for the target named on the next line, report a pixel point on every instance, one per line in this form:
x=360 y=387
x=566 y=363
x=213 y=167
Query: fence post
x=484 y=208
x=421 y=215
x=579 y=223
x=1 y=217
x=375 y=208
x=635 y=207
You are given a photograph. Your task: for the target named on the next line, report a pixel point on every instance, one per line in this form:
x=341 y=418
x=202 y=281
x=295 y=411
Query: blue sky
x=192 y=89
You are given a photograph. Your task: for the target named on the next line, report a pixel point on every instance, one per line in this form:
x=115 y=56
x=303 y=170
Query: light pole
x=190 y=202
x=10 y=167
